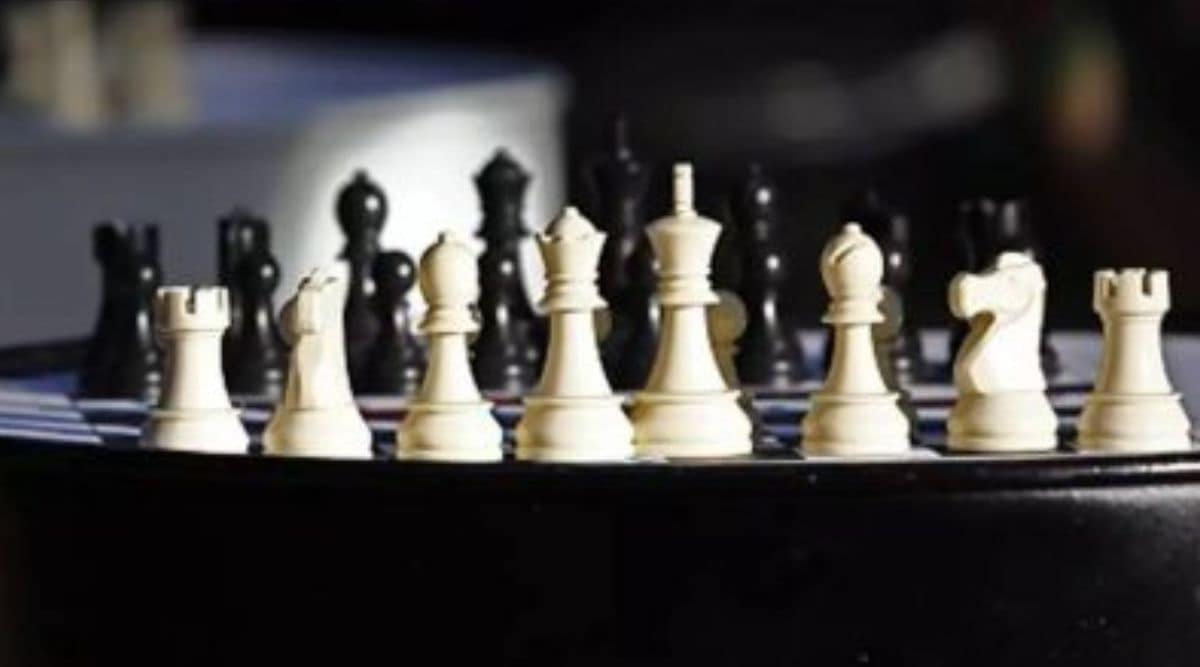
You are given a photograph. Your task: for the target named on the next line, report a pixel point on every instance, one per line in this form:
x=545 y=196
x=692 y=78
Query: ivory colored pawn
x=1133 y=407
x=572 y=415
x=726 y=324
x=854 y=413
x=885 y=334
x=194 y=413
x=1002 y=404
x=317 y=415
x=449 y=420
x=686 y=409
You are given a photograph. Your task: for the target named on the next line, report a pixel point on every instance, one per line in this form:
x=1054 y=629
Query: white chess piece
x=572 y=414
x=884 y=334
x=1002 y=404
x=194 y=412
x=449 y=420
x=1133 y=407
x=686 y=409
x=726 y=324
x=854 y=413
x=317 y=415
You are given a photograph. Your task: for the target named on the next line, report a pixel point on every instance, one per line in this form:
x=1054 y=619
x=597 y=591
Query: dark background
x=1093 y=117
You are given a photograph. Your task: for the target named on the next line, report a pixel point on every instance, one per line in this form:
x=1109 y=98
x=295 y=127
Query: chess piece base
x=855 y=425
x=334 y=432
x=217 y=431
x=1020 y=421
x=1134 y=423
x=450 y=432
x=690 y=425
x=561 y=429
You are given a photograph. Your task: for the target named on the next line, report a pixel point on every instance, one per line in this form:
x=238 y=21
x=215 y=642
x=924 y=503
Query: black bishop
x=890 y=229
x=618 y=182
x=361 y=211
x=769 y=350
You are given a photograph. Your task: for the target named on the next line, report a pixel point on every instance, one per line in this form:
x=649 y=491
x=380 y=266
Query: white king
x=1133 y=407
x=686 y=409
x=195 y=413
x=572 y=414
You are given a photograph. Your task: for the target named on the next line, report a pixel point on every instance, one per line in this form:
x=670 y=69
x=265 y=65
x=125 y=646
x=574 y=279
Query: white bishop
x=854 y=413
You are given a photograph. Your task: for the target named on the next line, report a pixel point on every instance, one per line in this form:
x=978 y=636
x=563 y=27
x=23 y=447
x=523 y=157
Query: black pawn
x=254 y=358
x=619 y=182
x=123 y=359
x=237 y=235
x=891 y=230
x=506 y=354
x=361 y=212
x=769 y=352
x=395 y=358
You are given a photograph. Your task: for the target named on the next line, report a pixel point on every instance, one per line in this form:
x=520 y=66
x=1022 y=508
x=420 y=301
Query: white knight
x=317 y=415
x=1002 y=404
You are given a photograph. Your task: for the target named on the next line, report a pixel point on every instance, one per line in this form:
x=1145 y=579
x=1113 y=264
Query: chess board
x=41 y=409
x=114 y=554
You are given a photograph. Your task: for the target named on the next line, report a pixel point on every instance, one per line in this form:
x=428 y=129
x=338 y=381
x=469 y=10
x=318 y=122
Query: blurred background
x=175 y=112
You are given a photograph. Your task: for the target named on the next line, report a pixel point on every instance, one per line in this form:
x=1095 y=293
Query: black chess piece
x=619 y=182
x=253 y=354
x=238 y=233
x=98 y=357
x=988 y=227
x=256 y=361
x=395 y=360
x=361 y=212
x=769 y=352
x=506 y=354
x=891 y=230
x=123 y=358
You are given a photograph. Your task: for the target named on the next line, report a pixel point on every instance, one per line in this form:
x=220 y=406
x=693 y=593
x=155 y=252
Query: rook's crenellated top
x=192 y=308
x=1131 y=292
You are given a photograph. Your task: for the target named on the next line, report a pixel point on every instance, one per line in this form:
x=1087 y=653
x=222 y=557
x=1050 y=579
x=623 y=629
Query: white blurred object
x=143 y=48
x=53 y=62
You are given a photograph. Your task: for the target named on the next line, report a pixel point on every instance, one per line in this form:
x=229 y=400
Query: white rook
x=194 y=412
x=1132 y=407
